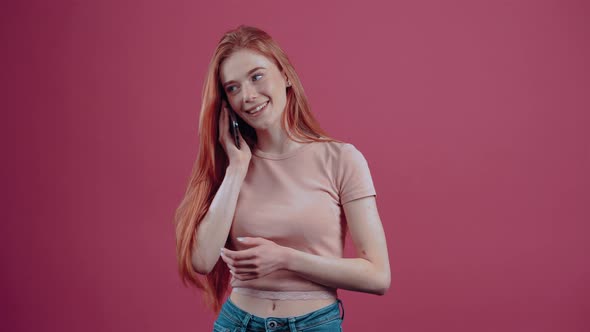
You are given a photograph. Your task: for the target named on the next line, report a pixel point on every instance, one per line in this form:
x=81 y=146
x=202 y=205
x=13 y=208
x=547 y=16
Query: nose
x=249 y=93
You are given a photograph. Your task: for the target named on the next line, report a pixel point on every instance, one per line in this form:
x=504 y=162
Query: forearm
x=356 y=274
x=214 y=228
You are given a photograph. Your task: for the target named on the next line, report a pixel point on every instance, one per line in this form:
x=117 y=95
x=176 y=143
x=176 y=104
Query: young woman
x=269 y=218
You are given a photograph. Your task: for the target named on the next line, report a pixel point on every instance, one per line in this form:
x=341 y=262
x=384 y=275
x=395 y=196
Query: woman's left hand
x=261 y=258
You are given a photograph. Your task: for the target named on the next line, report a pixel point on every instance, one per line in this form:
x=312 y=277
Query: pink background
x=473 y=116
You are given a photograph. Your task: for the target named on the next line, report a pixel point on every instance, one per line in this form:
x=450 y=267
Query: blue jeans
x=233 y=319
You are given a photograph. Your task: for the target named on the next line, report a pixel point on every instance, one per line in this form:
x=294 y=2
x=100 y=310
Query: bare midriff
x=263 y=307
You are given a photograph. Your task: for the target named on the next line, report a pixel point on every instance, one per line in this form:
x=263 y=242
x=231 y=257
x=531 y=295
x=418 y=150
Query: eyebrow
x=249 y=72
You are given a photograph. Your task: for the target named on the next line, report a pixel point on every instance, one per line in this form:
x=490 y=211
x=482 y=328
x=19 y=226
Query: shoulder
x=342 y=152
x=349 y=170
x=339 y=155
x=335 y=148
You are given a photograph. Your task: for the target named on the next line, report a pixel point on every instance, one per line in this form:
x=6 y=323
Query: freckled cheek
x=276 y=94
x=266 y=89
x=234 y=101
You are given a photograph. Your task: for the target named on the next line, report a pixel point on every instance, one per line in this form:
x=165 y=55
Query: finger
x=245 y=270
x=223 y=121
x=246 y=263
x=248 y=277
x=227 y=260
x=240 y=254
x=252 y=241
x=243 y=277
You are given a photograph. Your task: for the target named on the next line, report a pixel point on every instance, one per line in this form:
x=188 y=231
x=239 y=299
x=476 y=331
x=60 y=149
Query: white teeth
x=258 y=108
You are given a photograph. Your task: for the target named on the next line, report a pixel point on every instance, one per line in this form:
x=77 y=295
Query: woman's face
x=250 y=81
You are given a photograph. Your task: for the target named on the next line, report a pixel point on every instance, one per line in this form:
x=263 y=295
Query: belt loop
x=342 y=306
x=292 y=327
x=245 y=322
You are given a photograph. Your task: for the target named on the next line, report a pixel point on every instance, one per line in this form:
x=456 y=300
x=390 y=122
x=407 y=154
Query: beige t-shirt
x=295 y=200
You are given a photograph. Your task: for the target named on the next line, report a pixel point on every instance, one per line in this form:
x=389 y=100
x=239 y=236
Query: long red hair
x=209 y=168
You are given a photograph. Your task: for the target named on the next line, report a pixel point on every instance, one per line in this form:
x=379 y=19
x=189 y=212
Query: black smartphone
x=233 y=125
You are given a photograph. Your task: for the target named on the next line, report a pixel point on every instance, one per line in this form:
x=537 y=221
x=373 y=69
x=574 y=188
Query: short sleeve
x=353 y=175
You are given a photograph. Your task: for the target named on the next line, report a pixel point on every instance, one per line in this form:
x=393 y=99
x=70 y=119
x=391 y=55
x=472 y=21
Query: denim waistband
x=287 y=295
x=250 y=322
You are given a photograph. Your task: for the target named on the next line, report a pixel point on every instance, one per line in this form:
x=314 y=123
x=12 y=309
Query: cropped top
x=295 y=200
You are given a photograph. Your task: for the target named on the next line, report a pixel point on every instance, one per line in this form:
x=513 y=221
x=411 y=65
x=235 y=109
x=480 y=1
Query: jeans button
x=272 y=324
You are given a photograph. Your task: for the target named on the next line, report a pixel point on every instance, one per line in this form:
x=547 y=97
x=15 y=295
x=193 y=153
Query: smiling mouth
x=257 y=109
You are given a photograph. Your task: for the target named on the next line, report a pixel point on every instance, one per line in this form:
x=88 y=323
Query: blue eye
x=233 y=88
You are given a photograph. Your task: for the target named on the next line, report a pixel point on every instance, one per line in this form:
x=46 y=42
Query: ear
x=287 y=81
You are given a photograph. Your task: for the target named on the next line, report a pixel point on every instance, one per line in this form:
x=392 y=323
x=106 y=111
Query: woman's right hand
x=239 y=158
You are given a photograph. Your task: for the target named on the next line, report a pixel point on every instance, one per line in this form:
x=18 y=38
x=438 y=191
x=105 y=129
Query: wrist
x=287 y=258
x=235 y=170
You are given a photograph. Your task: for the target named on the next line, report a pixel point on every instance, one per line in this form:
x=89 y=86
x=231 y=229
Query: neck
x=275 y=140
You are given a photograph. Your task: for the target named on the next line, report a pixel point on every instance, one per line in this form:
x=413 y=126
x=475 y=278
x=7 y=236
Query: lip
x=258 y=113
x=253 y=108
